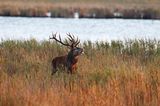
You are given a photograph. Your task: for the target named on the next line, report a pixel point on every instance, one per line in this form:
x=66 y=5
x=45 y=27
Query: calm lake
x=86 y=29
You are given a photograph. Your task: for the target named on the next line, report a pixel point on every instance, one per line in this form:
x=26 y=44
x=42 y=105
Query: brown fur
x=58 y=62
x=61 y=62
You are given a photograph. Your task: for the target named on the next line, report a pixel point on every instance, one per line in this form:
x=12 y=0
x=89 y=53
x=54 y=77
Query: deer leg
x=54 y=71
x=54 y=68
x=68 y=70
x=73 y=68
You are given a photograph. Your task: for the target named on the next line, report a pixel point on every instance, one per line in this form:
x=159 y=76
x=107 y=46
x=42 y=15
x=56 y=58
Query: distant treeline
x=74 y=10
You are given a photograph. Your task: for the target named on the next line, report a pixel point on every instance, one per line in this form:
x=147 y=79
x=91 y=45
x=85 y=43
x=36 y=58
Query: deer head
x=71 y=58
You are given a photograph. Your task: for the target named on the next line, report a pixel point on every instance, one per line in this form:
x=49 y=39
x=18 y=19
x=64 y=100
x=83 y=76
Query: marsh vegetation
x=120 y=73
x=135 y=9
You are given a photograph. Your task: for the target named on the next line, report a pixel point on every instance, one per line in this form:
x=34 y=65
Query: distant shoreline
x=79 y=10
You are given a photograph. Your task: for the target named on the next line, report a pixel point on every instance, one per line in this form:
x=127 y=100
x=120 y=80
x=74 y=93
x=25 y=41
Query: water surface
x=86 y=29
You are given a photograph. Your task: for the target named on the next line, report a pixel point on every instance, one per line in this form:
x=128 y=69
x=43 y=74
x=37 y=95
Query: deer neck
x=71 y=58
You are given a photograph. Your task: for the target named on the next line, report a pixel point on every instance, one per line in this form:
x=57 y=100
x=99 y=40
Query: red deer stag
x=70 y=60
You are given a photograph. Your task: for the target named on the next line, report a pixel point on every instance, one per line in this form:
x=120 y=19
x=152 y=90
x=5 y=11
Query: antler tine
x=77 y=41
x=74 y=38
x=53 y=36
x=71 y=38
x=60 y=40
x=60 y=37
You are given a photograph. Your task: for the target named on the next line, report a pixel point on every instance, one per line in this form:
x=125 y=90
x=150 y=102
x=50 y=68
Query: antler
x=71 y=38
x=60 y=41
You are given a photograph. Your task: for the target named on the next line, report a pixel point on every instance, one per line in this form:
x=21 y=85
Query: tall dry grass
x=120 y=73
x=135 y=9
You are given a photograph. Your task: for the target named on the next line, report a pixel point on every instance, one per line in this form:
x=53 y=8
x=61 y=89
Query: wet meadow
x=116 y=73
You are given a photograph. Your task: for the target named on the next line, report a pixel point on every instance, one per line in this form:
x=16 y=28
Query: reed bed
x=144 y=9
x=120 y=73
